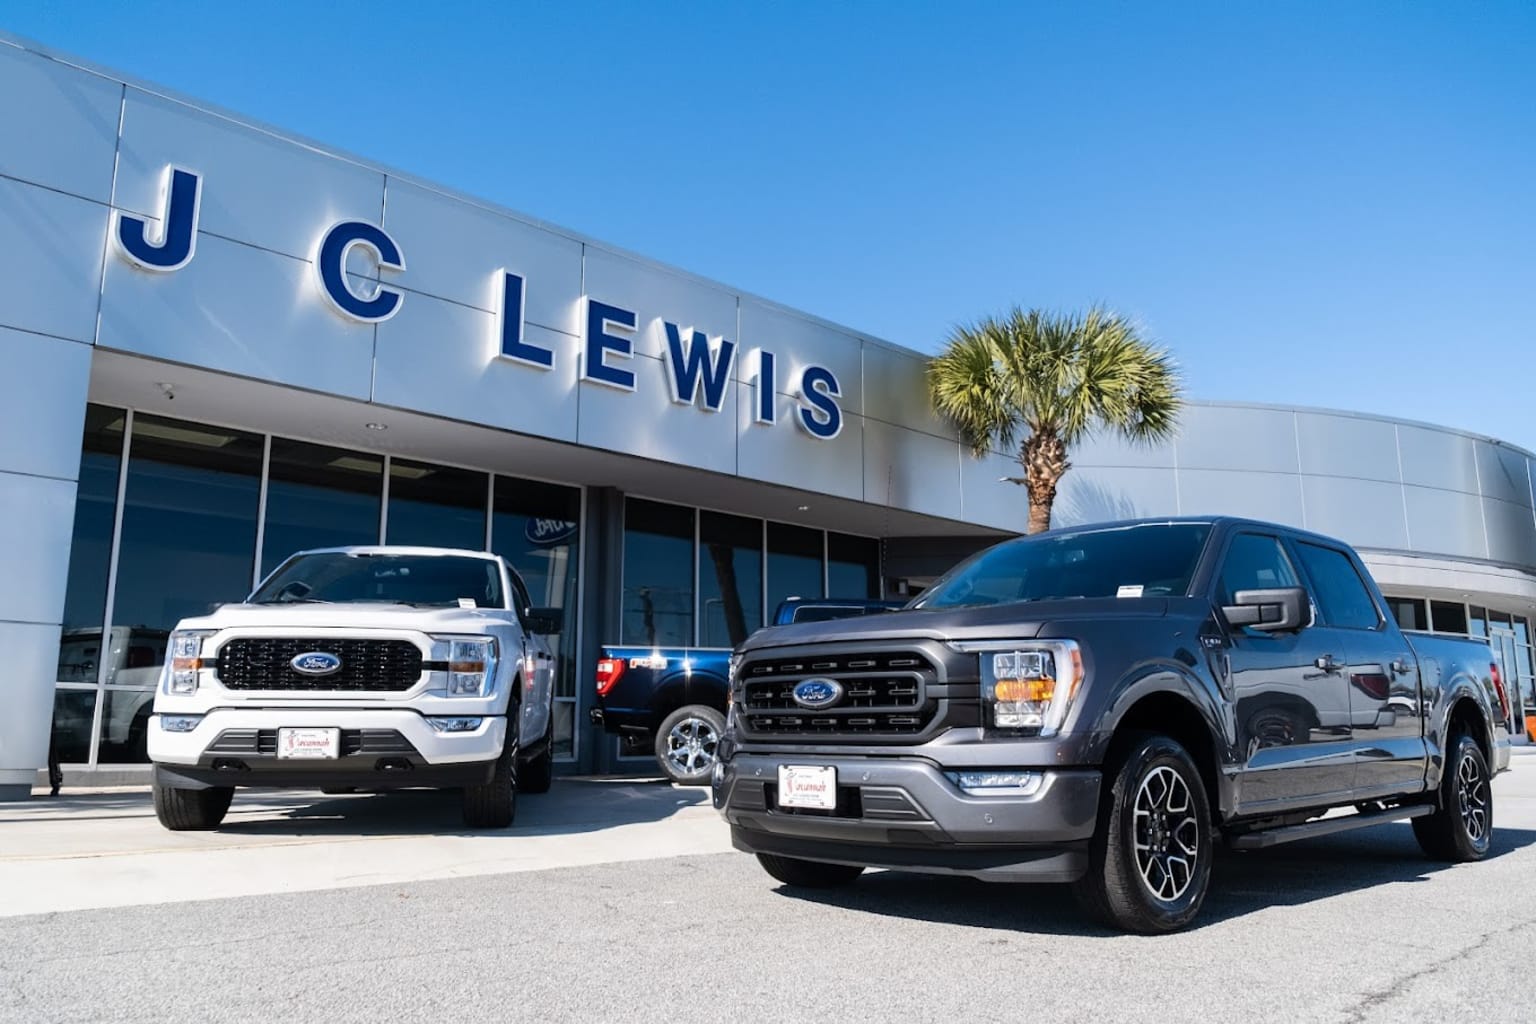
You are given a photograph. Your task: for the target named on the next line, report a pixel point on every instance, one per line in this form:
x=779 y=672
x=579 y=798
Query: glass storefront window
x=1478 y=625
x=657 y=608
x=853 y=566
x=730 y=578
x=794 y=563
x=436 y=506
x=1409 y=612
x=1448 y=617
x=74 y=711
x=319 y=497
x=537 y=527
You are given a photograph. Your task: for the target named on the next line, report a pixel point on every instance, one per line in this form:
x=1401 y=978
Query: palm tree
x=1052 y=379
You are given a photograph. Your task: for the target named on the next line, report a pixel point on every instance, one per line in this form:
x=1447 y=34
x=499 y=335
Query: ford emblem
x=817 y=693
x=316 y=663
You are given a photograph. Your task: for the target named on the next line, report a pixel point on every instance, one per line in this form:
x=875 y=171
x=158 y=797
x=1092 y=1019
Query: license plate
x=309 y=743
x=807 y=786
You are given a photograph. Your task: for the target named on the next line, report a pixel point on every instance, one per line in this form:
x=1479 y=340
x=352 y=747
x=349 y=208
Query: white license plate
x=807 y=786
x=309 y=743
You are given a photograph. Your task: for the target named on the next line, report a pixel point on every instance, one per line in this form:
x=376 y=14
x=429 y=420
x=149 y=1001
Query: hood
x=1019 y=619
x=355 y=615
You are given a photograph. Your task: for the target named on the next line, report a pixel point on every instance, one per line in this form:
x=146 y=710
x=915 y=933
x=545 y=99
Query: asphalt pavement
x=666 y=926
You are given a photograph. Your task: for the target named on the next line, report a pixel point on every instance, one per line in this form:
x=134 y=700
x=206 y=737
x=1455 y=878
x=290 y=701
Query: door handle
x=1326 y=663
x=1400 y=666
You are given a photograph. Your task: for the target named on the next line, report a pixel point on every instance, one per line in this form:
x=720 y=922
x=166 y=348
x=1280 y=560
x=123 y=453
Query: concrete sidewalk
x=105 y=848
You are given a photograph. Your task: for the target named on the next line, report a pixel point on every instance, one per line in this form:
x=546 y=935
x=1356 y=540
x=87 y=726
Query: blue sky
x=1329 y=204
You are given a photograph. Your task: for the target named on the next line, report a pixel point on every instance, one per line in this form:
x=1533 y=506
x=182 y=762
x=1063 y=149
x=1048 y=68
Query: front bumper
x=905 y=813
x=237 y=747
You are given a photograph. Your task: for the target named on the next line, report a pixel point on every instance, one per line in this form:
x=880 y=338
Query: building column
x=43 y=384
x=602 y=583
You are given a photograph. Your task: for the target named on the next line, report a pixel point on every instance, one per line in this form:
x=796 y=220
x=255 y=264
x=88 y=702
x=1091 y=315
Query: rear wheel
x=686 y=744
x=1462 y=829
x=493 y=804
x=191 y=810
x=1149 y=862
x=808 y=874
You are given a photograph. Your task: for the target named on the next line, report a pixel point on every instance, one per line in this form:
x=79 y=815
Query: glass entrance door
x=1506 y=655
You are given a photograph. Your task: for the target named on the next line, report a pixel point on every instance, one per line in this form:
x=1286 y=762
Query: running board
x=1326 y=827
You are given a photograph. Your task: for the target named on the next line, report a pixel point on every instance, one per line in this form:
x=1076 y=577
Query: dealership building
x=222 y=344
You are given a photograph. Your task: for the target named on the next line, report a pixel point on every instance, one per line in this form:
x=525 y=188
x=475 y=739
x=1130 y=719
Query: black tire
x=809 y=874
x=1462 y=828
x=192 y=810
x=686 y=744
x=1149 y=862
x=538 y=773
x=493 y=804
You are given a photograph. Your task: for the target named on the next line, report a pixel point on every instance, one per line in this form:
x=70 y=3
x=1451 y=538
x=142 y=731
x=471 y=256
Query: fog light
x=179 y=723
x=455 y=724
x=997 y=783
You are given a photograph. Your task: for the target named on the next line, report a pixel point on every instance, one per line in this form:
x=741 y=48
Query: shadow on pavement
x=1241 y=883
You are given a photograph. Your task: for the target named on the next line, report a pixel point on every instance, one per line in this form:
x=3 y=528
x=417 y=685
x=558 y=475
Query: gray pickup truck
x=1100 y=707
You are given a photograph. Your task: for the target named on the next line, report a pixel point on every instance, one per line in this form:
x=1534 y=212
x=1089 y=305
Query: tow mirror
x=545 y=621
x=1274 y=611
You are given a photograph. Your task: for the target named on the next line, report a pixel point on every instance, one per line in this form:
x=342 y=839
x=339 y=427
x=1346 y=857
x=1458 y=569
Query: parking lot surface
x=618 y=901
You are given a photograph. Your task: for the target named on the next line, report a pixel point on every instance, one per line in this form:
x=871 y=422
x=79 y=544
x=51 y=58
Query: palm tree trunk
x=1044 y=458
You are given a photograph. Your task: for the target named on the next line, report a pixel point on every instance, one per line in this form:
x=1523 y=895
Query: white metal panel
x=37 y=516
x=42 y=400
x=439 y=357
x=1347 y=446
x=1366 y=513
x=1437 y=458
x=1275 y=497
x=50 y=268
x=911 y=470
x=1108 y=448
x=1237 y=437
x=59 y=123
x=257 y=188
x=798 y=342
x=454 y=249
x=655 y=295
x=1091 y=494
x=895 y=390
x=31 y=662
x=240 y=310
x=646 y=422
x=783 y=453
x=986 y=497
x=1446 y=522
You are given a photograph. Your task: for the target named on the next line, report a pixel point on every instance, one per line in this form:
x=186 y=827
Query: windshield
x=337 y=576
x=1146 y=560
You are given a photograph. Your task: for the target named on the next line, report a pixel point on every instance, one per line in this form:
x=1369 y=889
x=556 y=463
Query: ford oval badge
x=817 y=693
x=316 y=663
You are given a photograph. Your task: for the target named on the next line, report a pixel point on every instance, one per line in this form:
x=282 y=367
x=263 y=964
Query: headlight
x=1028 y=685
x=471 y=665
x=183 y=660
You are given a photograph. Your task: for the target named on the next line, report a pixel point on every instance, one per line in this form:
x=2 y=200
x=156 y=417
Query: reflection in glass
x=90 y=551
x=1478 y=626
x=1409 y=612
x=1448 y=617
x=125 y=726
x=188 y=535
x=565 y=729
x=658 y=574
x=319 y=497
x=436 y=506
x=72 y=714
x=794 y=563
x=853 y=566
x=536 y=527
x=730 y=578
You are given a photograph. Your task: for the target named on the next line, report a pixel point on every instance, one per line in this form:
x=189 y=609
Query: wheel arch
x=1173 y=713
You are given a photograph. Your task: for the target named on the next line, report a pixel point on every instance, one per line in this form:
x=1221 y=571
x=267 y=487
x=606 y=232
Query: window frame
x=1318 y=611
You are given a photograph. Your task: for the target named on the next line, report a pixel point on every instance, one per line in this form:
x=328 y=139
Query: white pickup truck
x=373 y=667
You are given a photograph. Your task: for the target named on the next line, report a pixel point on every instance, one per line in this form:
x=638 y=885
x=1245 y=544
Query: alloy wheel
x=1472 y=798
x=1166 y=834
x=691 y=745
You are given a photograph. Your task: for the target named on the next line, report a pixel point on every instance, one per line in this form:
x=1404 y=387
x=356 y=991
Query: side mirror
x=545 y=621
x=1274 y=611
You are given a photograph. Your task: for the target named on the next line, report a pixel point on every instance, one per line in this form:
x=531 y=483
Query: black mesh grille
x=265 y=664
x=353 y=741
x=883 y=693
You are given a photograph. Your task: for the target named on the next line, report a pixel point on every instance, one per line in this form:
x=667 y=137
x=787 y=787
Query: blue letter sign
x=510 y=326
x=601 y=317
x=180 y=197
x=820 y=416
x=693 y=364
x=331 y=265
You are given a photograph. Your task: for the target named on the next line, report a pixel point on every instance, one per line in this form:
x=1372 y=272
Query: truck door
x=1290 y=691
x=1385 y=711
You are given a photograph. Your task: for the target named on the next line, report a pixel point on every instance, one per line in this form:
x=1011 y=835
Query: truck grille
x=353 y=742
x=883 y=693
x=264 y=663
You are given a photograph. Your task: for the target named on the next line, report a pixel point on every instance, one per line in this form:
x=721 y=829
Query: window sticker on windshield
x=467 y=602
x=1132 y=590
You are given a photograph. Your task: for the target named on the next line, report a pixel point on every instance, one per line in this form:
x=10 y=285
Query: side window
x=1342 y=595
x=1254 y=562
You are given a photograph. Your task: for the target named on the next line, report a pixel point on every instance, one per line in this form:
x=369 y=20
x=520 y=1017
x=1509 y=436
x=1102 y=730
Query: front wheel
x=191 y=810
x=686 y=744
x=1462 y=829
x=493 y=804
x=1149 y=862
x=808 y=874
